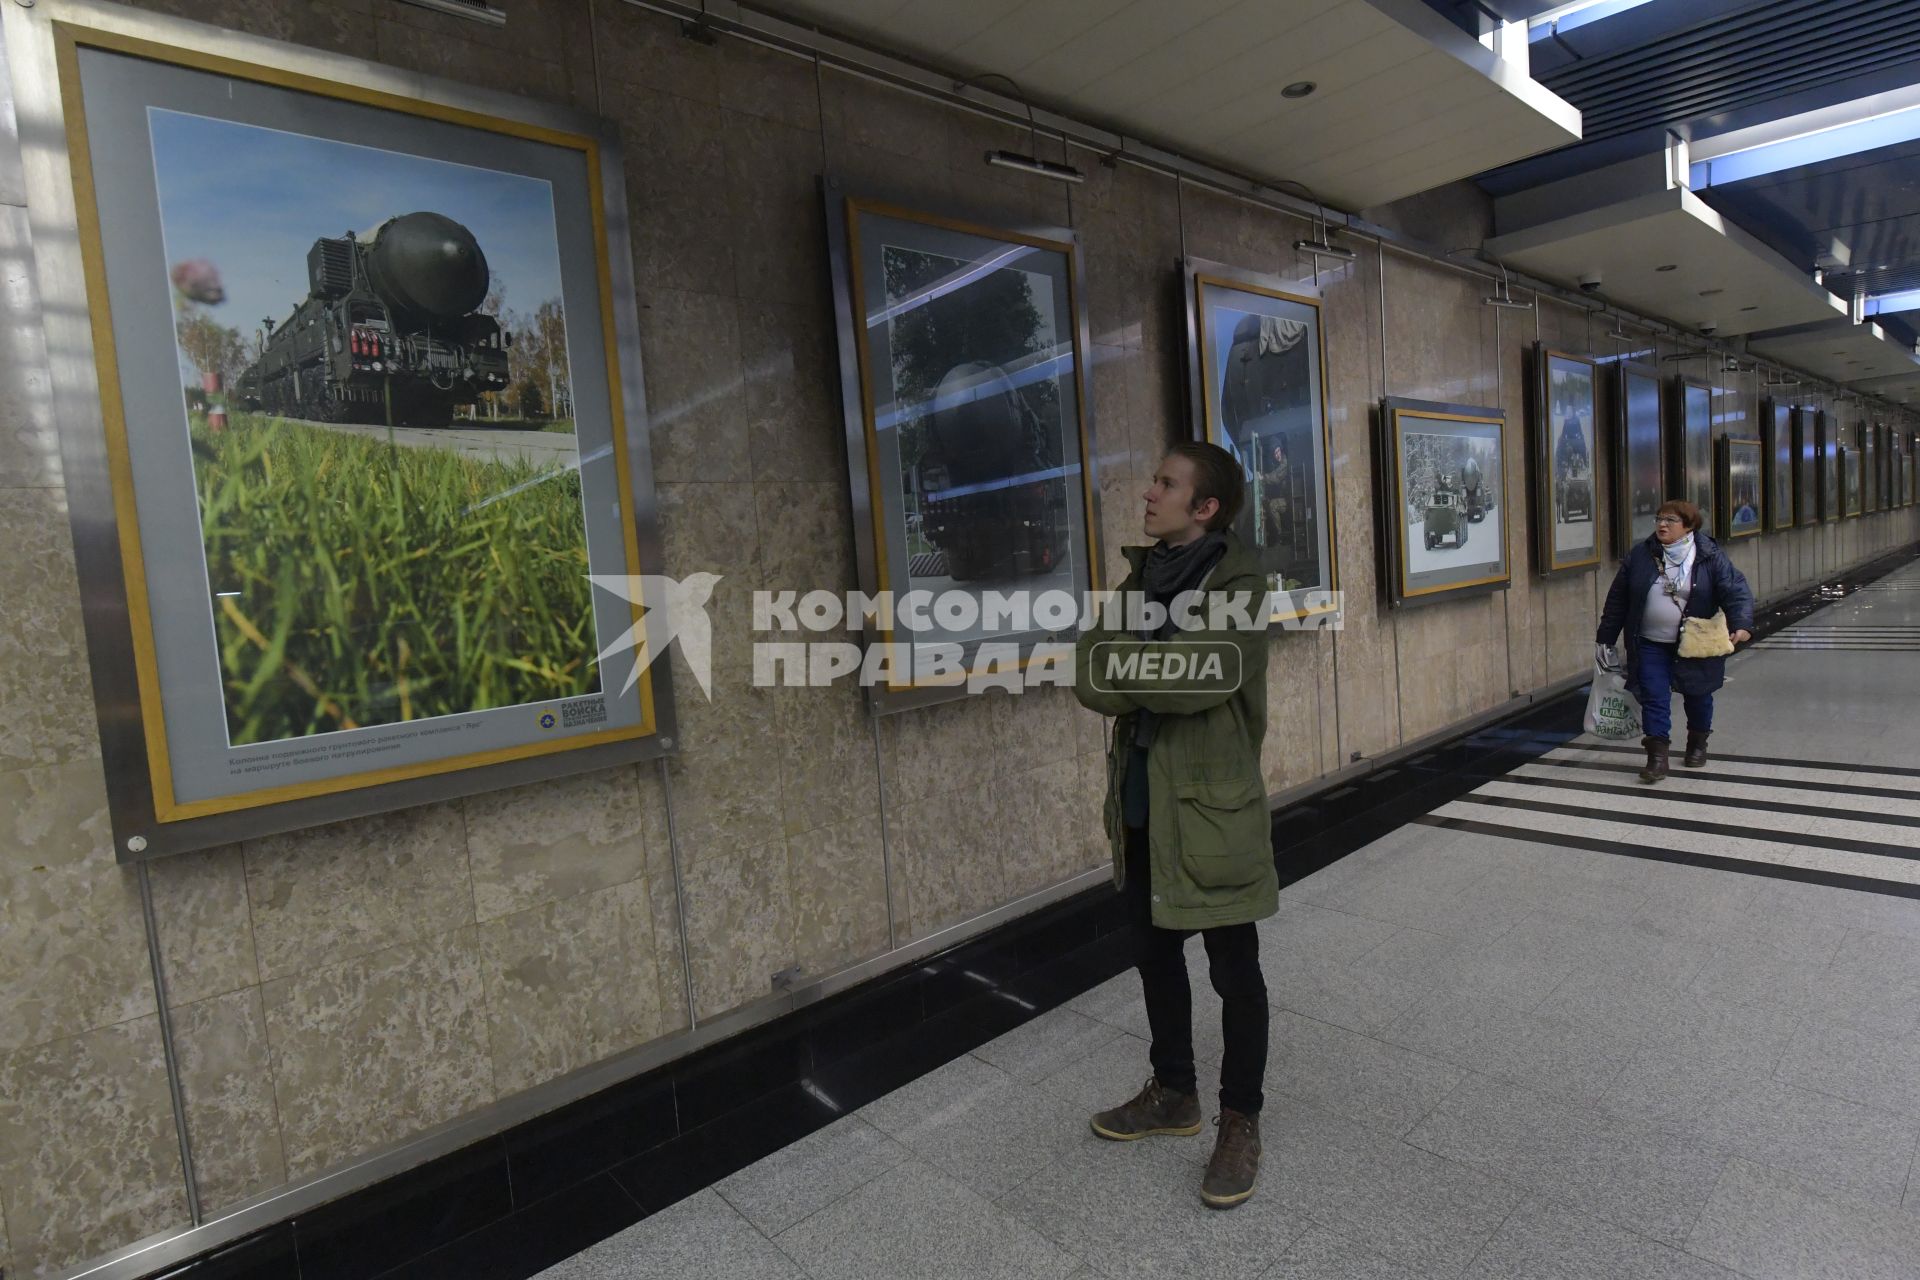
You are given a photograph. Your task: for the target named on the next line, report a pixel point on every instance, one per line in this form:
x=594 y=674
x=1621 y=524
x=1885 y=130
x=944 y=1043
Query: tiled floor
x=1563 y=1028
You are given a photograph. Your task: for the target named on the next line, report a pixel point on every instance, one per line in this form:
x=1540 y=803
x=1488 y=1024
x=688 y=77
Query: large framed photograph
x=1809 y=483
x=1778 y=423
x=1566 y=520
x=963 y=379
x=361 y=417
x=1851 y=470
x=1691 y=467
x=1737 y=482
x=1256 y=384
x=1869 y=468
x=1444 y=507
x=1640 y=454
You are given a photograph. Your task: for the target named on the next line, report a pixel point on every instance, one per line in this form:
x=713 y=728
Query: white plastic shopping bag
x=1612 y=712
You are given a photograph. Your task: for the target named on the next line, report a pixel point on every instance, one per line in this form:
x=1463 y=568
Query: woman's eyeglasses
x=1668 y=520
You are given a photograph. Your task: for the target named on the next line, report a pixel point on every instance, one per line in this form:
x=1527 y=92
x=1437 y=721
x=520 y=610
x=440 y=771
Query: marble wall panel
x=205 y=923
x=1036 y=812
x=72 y=944
x=936 y=750
x=697 y=404
x=828 y=768
x=713 y=527
x=339 y=26
x=796 y=432
x=45 y=691
x=454 y=56
x=1296 y=704
x=568 y=983
x=31 y=445
x=725 y=777
x=774 y=208
x=406 y=1026
x=534 y=844
x=739 y=914
x=88 y=1156
x=349 y=889
x=838 y=874
x=946 y=850
x=226 y=1080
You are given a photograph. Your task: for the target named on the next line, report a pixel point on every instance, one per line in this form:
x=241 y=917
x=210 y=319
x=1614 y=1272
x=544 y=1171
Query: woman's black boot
x=1656 y=759
x=1697 y=748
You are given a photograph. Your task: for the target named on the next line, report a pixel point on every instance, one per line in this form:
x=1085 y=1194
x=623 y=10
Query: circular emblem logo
x=546 y=720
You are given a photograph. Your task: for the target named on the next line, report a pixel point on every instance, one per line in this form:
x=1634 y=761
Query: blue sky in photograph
x=252 y=201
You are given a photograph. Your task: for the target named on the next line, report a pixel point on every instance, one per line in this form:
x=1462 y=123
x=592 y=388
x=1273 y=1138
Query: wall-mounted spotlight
x=1004 y=159
x=1321 y=245
x=472 y=10
x=1505 y=299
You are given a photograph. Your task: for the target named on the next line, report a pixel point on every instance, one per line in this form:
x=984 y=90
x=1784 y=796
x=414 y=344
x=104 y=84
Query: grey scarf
x=1167 y=573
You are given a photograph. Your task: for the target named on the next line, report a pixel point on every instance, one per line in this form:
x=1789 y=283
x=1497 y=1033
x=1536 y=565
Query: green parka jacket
x=1208 y=830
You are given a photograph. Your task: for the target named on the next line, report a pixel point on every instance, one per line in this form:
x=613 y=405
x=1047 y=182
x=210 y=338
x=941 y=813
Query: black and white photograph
x=1640 y=455
x=1779 y=422
x=1256 y=356
x=966 y=425
x=1565 y=506
x=1742 y=511
x=1446 y=507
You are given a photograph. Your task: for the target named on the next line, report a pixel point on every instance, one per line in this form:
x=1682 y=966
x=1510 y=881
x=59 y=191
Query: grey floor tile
x=1640 y=946
x=1834 y=1146
x=1658 y=1013
x=1754 y=970
x=1674 y=1085
x=973 y=1121
x=1209 y=1038
x=1768 y=1225
x=1547 y=1240
x=1339 y=937
x=1321 y=1254
x=802 y=1179
x=1054 y=1040
x=1133 y=1211
x=1342 y=994
x=1547 y=1054
x=701 y=1238
x=1105 y=1002
x=1420 y=1210
x=1854 y=1063
x=1383 y=1086
x=917 y=1222
x=1496 y=968
x=1635 y=1174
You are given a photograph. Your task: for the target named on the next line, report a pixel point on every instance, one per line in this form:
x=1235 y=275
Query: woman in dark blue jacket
x=1678 y=573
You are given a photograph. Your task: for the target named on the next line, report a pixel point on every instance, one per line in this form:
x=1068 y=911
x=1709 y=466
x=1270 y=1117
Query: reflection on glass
x=1644 y=490
x=1742 y=488
x=1570 y=405
x=1697 y=443
x=1780 y=451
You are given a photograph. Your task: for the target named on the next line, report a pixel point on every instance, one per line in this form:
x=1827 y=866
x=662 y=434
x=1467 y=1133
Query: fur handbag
x=1705 y=637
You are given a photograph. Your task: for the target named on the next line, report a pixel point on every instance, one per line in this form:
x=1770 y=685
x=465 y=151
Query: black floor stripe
x=1724 y=802
x=1713 y=862
x=1906 y=853
x=1891 y=770
x=1706 y=775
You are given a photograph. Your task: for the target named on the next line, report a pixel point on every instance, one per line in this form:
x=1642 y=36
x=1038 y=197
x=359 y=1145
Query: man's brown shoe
x=1235 y=1162
x=1155 y=1110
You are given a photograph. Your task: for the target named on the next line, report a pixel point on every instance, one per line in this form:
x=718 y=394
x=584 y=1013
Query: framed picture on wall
x=1883 y=473
x=1256 y=383
x=1741 y=498
x=1810 y=428
x=1869 y=468
x=1853 y=472
x=1640 y=453
x=1833 y=493
x=1778 y=423
x=1444 y=508
x=1563 y=436
x=360 y=429
x=1691 y=438
x=963 y=382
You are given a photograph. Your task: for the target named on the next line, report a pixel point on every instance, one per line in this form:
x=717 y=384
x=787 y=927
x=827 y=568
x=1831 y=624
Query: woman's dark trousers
x=1233 y=959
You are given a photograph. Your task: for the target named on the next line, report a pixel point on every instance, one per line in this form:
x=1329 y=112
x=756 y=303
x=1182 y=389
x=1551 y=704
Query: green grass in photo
x=358 y=583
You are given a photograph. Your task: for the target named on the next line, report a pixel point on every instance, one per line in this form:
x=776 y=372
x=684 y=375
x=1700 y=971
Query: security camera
x=1590 y=284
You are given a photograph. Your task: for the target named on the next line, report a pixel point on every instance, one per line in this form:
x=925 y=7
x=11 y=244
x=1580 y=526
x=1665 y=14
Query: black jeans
x=1233 y=960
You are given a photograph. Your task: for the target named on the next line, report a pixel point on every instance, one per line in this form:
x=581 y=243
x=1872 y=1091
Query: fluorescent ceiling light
x=1888 y=303
x=1887 y=129
x=1571 y=17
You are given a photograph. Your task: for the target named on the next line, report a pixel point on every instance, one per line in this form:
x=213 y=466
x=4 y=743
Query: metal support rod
x=886 y=847
x=679 y=898
x=175 y=1088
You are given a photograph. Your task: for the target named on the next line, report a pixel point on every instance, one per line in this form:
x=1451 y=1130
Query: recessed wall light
x=1299 y=89
x=1671 y=266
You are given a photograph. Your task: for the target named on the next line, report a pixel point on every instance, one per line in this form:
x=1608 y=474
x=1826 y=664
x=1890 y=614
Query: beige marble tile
x=774 y=211
x=667 y=958
x=713 y=528
x=205 y=923
x=769 y=84
x=373 y=1049
x=937 y=749
x=533 y=844
x=568 y=983
x=46 y=696
x=828 y=771
x=352 y=888
x=1440 y=338
x=641 y=48
x=806 y=543
x=88 y=1155
x=1032 y=728
x=946 y=851
x=739 y=913
x=1291 y=752
x=796 y=429
x=73 y=951
x=343 y=27
x=226 y=1077
x=454 y=56
x=1041 y=825
x=862 y=113
x=548 y=31
x=727 y=794
x=696 y=394
x=839 y=878
x=29 y=442
x=1092 y=851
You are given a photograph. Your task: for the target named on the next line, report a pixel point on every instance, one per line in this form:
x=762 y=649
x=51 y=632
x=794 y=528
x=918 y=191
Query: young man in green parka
x=1186 y=810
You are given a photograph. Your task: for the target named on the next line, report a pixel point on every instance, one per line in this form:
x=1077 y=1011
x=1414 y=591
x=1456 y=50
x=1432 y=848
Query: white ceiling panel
x=1719 y=275
x=1839 y=350
x=1404 y=100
